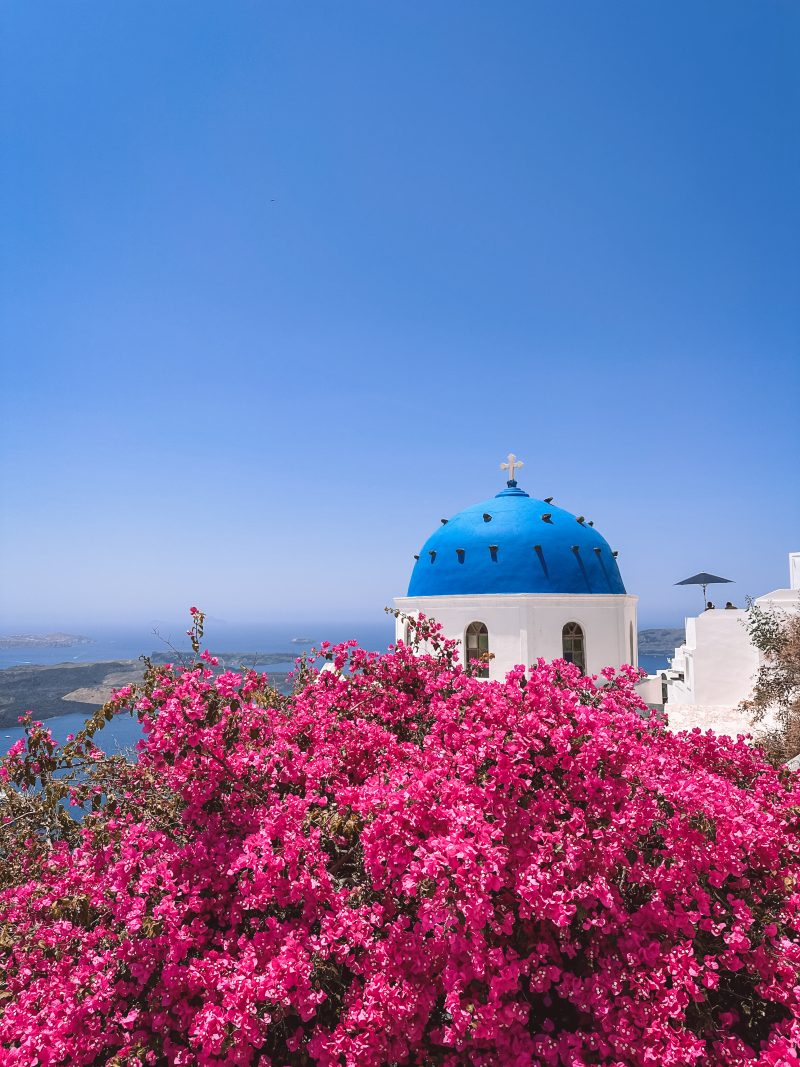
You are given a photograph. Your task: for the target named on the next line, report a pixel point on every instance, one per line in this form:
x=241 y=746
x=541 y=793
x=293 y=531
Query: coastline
x=50 y=691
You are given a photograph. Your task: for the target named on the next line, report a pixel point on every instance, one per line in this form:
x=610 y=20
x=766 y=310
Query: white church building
x=514 y=578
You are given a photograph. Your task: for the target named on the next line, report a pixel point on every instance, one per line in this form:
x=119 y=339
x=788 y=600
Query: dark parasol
x=705 y=579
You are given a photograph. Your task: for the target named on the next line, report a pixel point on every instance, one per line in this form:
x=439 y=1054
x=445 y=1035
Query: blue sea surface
x=122 y=733
x=119 y=735
x=653 y=663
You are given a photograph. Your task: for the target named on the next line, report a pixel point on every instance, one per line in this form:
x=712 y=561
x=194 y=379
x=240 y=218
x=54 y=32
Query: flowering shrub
x=399 y=864
x=775 y=701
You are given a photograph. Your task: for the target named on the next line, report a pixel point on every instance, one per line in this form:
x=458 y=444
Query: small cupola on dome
x=515 y=543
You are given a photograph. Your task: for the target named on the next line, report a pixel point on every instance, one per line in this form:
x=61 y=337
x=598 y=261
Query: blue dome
x=514 y=544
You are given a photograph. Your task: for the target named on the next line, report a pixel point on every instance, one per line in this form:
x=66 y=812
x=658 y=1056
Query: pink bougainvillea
x=404 y=864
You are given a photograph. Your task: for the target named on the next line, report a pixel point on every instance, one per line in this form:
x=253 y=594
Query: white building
x=713 y=671
x=518 y=578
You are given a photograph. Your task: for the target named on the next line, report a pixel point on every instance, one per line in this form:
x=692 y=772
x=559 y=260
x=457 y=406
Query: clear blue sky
x=283 y=283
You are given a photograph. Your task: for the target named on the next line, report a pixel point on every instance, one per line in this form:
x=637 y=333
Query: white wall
x=524 y=626
x=785 y=600
x=794 y=570
x=718 y=660
x=650 y=689
x=724 y=719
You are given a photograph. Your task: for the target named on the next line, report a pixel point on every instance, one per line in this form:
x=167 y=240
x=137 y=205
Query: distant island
x=61 y=689
x=58 y=640
x=233 y=661
x=654 y=642
x=64 y=688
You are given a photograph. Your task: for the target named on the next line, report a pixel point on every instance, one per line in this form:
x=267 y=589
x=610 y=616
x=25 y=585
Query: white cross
x=512 y=466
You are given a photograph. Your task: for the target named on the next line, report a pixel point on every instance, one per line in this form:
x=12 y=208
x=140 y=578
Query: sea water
x=118 y=736
x=122 y=733
x=654 y=663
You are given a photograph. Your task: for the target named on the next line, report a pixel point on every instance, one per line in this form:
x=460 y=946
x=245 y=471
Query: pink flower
x=401 y=863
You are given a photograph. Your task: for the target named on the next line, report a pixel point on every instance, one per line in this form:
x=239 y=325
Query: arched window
x=573 y=646
x=477 y=646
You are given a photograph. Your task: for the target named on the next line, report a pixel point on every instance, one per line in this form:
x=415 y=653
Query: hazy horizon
x=92 y=626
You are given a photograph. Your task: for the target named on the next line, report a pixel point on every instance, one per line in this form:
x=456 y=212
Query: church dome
x=514 y=543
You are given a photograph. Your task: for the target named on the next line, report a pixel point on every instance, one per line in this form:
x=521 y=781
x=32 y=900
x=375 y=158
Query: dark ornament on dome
x=487 y=517
x=432 y=554
x=548 y=500
x=547 y=517
x=444 y=522
x=581 y=518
